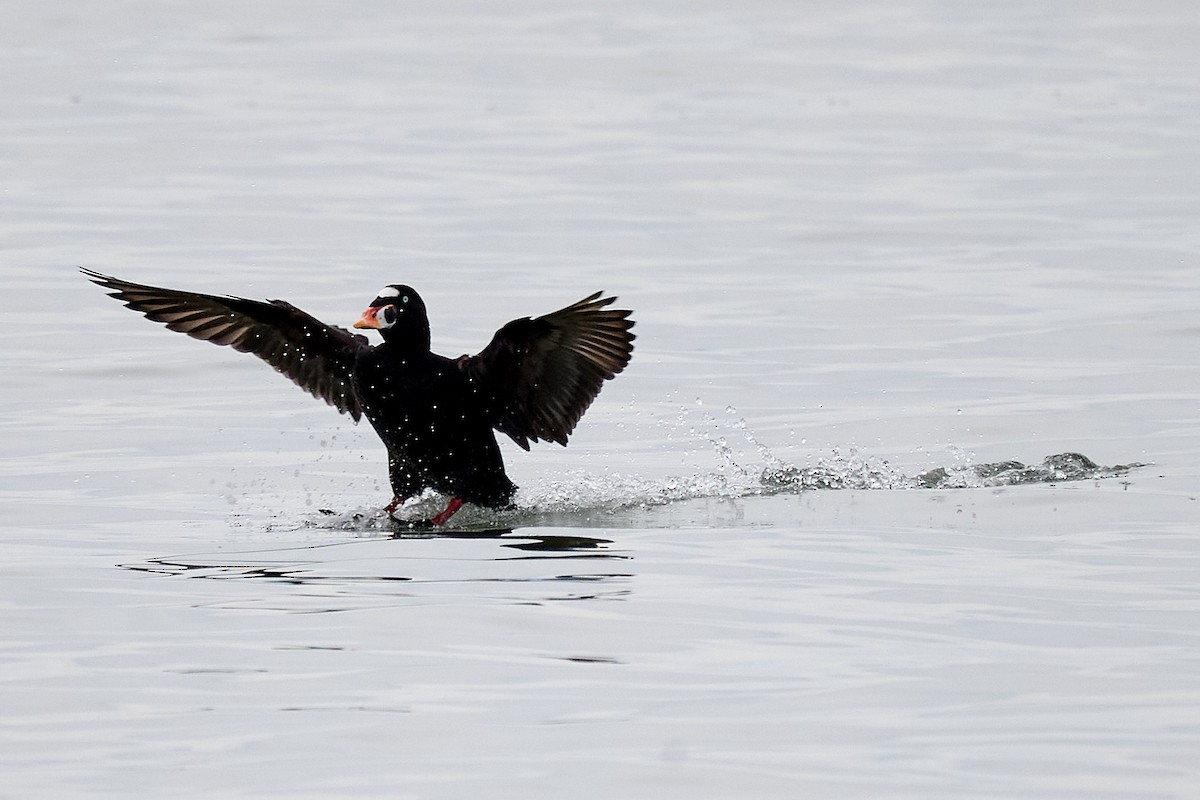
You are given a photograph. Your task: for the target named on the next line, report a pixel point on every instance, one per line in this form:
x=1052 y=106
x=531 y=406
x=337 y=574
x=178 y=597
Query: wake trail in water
x=601 y=499
x=583 y=496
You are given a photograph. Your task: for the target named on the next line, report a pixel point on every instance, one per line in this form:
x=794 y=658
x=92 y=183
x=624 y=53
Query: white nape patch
x=388 y=291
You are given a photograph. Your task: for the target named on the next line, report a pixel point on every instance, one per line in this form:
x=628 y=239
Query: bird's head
x=398 y=313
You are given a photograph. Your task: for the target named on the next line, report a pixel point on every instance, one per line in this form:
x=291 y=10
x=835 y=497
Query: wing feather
x=318 y=358
x=541 y=374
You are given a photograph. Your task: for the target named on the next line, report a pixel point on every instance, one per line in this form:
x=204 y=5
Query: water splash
x=1053 y=469
x=739 y=465
x=621 y=500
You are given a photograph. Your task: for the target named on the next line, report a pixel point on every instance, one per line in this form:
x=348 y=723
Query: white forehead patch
x=388 y=291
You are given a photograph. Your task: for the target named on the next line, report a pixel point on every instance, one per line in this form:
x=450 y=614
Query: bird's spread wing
x=539 y=375
x=317 y=357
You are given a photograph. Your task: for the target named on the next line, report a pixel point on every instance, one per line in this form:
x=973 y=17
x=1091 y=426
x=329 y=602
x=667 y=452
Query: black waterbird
x=437 y=416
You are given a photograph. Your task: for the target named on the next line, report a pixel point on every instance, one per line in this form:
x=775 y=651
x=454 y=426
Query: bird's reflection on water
x=305 y=565
x=589 y=546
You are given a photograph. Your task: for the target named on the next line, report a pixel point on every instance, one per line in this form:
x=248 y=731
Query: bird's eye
x=389 y=315
x=404 y=299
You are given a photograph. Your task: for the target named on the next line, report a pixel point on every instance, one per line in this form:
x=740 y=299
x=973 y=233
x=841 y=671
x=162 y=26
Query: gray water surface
x=892 y=265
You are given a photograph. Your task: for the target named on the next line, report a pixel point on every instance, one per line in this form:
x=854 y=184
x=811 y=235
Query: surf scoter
x=435 y=415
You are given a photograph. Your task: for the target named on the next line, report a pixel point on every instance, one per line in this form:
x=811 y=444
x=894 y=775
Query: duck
x=437 y=416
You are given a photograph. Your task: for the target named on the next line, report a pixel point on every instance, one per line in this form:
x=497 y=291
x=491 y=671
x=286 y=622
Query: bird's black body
x=447 y=445
x=435 y=415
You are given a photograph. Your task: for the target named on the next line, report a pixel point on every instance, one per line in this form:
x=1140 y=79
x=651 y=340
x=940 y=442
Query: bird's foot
x=446 y=513
x=436 y=521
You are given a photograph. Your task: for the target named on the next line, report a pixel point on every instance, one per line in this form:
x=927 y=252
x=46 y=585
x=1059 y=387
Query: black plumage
x=435 y=415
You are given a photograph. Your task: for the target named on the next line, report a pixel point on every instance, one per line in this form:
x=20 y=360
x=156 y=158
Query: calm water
x=864 y=244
